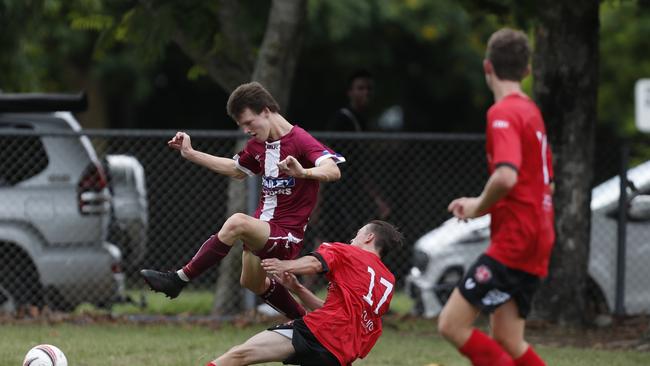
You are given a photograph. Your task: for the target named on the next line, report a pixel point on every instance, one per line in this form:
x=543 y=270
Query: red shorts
x=282 y=244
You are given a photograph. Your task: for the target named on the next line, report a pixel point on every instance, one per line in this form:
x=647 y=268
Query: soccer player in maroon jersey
x=347 y=324
x=517 y=195
x=292 y=164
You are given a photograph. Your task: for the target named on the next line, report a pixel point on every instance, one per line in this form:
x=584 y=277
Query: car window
x=21 y=157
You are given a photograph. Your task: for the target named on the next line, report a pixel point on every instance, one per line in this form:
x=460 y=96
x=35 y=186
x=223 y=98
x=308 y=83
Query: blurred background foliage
x=425 y=55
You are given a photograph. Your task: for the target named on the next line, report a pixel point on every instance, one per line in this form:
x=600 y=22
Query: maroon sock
x=529 y=358
x=485 y=351
x=210 y=253
x=281 y=300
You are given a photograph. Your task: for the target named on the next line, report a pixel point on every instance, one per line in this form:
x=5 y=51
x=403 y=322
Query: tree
x=566 y=87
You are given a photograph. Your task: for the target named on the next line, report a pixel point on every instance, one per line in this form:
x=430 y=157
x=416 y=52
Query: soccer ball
x=45 y=355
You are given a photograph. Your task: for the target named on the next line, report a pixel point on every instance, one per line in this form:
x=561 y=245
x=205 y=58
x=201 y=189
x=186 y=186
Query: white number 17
x=383 y=281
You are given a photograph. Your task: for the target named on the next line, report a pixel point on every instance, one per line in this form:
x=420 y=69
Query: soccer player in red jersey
x=292 y=164
x=347 y=324
x=517 y=195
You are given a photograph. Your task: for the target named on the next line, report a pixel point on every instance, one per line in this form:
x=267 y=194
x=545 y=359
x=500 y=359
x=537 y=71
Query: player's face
x=362 y=236
x=255 y=125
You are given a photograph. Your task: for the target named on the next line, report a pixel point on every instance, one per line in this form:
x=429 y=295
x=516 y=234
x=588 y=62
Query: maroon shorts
x=282 y=244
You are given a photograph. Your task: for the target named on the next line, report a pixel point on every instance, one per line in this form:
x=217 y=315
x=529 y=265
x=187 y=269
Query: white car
x=442 y=256
x=55 y=208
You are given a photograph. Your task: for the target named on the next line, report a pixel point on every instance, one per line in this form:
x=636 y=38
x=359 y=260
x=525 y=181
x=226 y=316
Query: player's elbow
x=506 y=177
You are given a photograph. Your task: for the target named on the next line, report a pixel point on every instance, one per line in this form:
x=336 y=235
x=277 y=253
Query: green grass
x=409 y=342
x=200 y=303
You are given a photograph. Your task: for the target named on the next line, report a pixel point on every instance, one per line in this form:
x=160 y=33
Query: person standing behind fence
x=347 y=324
x=359 y=184
x=292 y=164
x=517 y=195
x=353 y=117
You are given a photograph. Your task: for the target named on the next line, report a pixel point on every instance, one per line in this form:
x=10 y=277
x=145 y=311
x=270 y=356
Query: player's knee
x=257 y=287
x=235 y=225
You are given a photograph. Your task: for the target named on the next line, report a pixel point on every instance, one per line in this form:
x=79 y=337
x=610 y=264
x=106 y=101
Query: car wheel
x=19 y=280
x=447 y=283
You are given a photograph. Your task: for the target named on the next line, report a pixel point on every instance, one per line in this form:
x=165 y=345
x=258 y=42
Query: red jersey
x=359 y=293
x=522 y=232
x=285 y=200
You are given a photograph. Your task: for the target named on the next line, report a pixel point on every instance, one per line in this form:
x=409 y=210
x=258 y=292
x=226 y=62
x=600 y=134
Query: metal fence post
x=252 y=197
x=622 y=232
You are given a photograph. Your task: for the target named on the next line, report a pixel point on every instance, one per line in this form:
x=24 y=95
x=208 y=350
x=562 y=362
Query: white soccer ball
x=45 y=355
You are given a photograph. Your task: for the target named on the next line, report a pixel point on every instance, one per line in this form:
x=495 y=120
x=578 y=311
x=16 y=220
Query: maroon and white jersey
x=286 y=201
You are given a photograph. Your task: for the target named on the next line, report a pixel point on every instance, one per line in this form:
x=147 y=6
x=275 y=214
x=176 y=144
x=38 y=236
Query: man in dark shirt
x=353 y=116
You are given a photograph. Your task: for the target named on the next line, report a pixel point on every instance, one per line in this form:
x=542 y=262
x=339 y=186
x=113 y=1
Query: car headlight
x=420 y=260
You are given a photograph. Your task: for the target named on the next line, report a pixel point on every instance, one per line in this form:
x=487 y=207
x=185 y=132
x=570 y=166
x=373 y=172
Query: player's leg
x=254 y=278
x=237 y=227
x=456 y=321
x=478 y=288
x=508 y=326
x=266 y=346
x=252 y=231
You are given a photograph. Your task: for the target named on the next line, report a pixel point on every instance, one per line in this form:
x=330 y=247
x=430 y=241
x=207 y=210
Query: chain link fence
x=80 y=214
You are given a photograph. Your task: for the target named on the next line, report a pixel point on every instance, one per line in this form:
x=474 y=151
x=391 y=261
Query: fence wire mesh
x=81 y=214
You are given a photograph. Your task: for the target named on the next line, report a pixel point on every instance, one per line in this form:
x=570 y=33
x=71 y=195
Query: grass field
x=405 y=342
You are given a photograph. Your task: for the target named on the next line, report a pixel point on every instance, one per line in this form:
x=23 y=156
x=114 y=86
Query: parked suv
x=55 y=208
x=442 y=256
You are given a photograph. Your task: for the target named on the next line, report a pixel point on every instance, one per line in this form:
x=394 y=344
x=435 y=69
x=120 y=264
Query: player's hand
x=181 y=142
x=274 y=266
x=464 y=208
x=291 y=166
x=288 y=280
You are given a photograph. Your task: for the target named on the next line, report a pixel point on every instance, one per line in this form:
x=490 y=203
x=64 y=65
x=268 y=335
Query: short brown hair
x=252 y=96
x=508 y=51
x=387 y=236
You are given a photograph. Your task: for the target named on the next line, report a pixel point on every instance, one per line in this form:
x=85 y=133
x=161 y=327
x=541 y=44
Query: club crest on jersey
x=482 y=274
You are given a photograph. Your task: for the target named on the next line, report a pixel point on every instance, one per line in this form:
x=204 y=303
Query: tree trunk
x=566 y=85
x=276 y=62
x=228 y=296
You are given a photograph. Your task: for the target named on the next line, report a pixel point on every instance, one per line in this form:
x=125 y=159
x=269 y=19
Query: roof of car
x=42 y=102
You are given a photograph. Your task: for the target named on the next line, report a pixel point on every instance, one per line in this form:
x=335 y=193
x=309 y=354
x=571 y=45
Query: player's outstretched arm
x=182 y=142
x=303 y=265
x=327 y=171
x=308 y=298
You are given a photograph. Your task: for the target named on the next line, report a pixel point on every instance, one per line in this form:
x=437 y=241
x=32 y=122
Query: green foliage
x=624 y=45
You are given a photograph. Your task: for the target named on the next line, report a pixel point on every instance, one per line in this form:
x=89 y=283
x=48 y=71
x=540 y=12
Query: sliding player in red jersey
x=347 y=324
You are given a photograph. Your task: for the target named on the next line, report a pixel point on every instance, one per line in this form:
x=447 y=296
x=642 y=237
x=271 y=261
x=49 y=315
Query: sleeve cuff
x=505 y=163
x=321 y=260
x=338 y=159
x=243 y=169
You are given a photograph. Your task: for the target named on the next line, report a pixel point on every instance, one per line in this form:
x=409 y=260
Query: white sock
x=182 y=275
